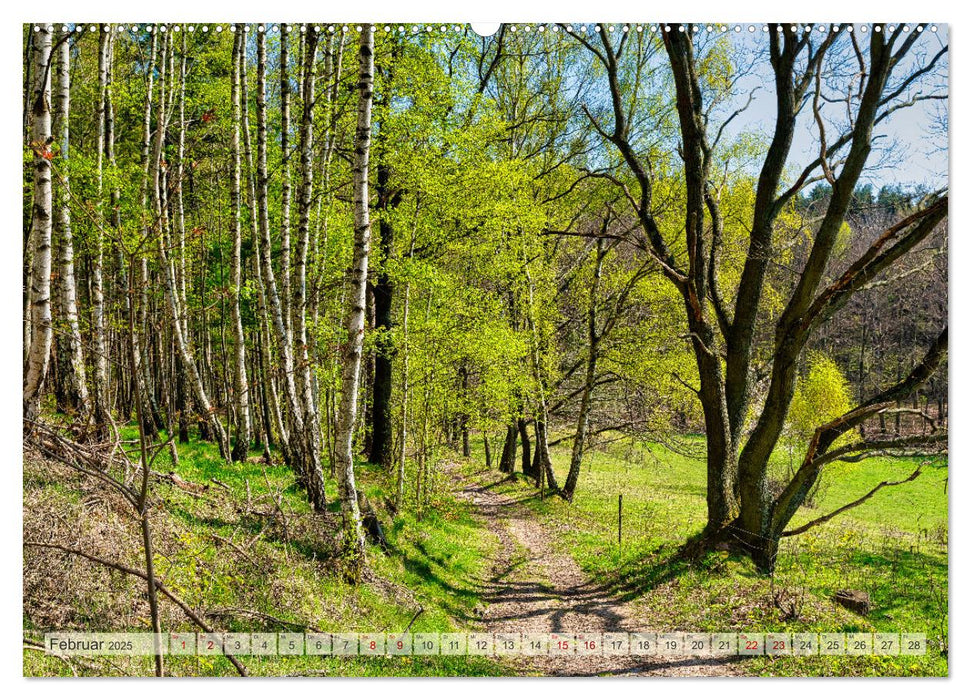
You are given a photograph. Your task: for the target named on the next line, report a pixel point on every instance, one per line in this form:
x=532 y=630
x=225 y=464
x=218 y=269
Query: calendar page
x=514 y=349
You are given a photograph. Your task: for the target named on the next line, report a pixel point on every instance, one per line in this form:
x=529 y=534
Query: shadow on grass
x=307 y=548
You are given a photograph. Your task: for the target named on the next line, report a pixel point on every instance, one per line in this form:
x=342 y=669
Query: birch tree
x=311 y=433
x=39 y=348
x=104 y=142
x=240 y=380
x=74 y=389
x=309 y=473
x=354 y=325
x=182 y=342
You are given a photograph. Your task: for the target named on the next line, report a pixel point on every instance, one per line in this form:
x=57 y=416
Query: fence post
x=620 y=520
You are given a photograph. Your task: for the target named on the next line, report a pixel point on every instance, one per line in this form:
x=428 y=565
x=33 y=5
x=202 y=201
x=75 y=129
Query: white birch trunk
x=285 y=186
x=98 y=340
x=240 y=380
x=180 y=174
x=270 y=385
x=311 y=434
x=347 y=413
x=71 y=357
x=39 y=348
x=266 y=245
x=310 y=475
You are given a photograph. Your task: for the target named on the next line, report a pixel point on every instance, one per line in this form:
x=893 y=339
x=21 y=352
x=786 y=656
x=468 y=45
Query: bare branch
x=863 y=499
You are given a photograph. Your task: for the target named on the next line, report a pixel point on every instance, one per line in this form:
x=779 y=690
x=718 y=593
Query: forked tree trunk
x=507 y=463
x=347 y=414
x=308 y=405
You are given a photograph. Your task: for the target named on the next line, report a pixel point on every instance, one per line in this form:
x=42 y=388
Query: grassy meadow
x=893 y=546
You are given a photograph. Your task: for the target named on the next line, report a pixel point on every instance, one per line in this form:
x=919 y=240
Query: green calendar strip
x=653 y=644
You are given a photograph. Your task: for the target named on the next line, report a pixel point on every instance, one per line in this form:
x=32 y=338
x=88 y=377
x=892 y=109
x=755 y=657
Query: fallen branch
x=239 y=550
x=227 y=612
x=188 y=487
x=159 y=586
x=420 y=611
x=34 y=646
x=220 y=484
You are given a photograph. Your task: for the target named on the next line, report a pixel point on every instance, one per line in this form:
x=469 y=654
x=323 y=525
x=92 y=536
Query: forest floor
x=534 y=588
x=482 y=552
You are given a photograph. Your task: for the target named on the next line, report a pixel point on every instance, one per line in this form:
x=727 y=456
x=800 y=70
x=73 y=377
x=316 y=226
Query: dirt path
x=534 y=588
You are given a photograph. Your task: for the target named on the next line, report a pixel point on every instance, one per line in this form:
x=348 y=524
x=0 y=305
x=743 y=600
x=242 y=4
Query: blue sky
x=910 y=147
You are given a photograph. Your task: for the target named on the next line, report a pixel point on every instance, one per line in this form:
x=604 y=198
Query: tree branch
x=826 y=518
x=159 y=586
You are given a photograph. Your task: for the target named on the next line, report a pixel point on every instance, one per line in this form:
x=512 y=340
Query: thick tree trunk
x=800 y=317
x=522 y=426
x=39 y=348
x=74 y=391
x=507 y=463
x=383 y=289
x=347 y=415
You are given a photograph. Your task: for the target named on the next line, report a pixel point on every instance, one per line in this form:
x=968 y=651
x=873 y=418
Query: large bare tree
x=722 y=324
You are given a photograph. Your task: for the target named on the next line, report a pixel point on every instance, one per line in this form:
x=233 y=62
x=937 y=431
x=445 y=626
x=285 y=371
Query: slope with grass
x=240 y=546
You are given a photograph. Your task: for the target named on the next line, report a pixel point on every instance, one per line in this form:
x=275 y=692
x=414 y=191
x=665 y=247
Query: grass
x=894 y=547
x=282 y=566
x=281 y=572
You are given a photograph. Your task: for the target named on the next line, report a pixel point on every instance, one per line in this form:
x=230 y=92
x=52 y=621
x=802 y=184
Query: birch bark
x=39 y=347
x=347 y=413
x=70 y=355
x=240 y=380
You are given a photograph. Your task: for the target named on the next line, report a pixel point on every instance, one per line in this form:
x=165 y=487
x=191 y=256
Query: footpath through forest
x=535 y=588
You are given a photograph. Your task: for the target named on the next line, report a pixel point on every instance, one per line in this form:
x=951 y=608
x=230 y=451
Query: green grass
x=894 y=547
x=290 y=571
